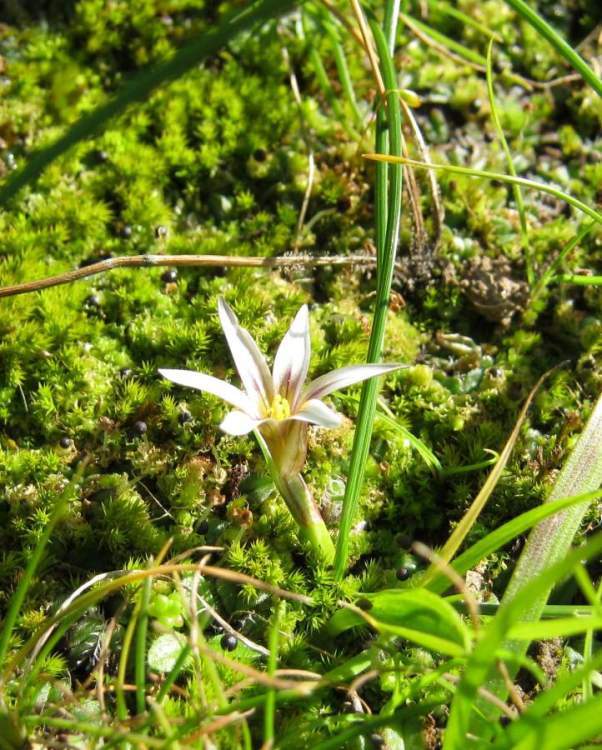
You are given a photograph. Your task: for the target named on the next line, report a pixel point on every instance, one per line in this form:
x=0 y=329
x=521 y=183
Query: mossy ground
x=217 y=162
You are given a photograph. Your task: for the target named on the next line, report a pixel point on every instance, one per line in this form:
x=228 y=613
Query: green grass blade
x=545 y=702
x=140 y=647
x=509 y=531
x=560 y=45
x=140 y=86
x=465 y=20
x=577 y=280
x=458 y=535
x=518 y=196
x=550 y=541
x=566 y=729
x=386 y=256
x=17 y=599
x=470 y=172
x=550 y=272
x=562 y=627
x=270 y=698
x=464 y=52
x=481 y=662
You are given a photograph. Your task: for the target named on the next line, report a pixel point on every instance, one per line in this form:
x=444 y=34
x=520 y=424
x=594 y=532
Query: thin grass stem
x=389 y=215
x=518 y=196
x=470 y=172
x=560 y=45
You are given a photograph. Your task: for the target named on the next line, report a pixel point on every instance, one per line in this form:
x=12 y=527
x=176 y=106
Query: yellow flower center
x=280 y=408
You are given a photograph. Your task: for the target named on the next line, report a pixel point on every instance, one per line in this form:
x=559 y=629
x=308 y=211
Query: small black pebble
x=169 y=276
x=140 y=427
x=125 y=372
x=343 y=204
x=260 y=154
x=184 y=416
x=93 y=300
x=403 y=573
x=160 y=232
x=364 y=604
x=228 y=642
x=102 y=156
x=505 y=720
x=202 y=527
x=377 y=740
x=65 y=442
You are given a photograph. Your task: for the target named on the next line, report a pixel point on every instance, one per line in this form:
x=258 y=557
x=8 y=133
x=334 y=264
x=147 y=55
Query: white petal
x=292 y=358
x=316 y=412
x=345 y=376
x=238 y=423
x=233 y=396
x=249 y=361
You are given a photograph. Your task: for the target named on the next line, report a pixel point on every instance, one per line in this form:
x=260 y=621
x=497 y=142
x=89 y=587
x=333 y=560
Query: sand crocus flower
x=280 y=406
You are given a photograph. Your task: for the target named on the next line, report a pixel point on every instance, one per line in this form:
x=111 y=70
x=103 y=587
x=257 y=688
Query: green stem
x=487 y=175
x=518 y=196
x=386 y=259
x=300 y=502
x=560 y=45
x=569 y=278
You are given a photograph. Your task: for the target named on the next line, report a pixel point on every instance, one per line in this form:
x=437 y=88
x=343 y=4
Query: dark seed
x=343 y=204
x=364 y=604
x=377 y=740
x=260 y=154
x=102 y=156
x=202 y=527
x=125 y=372
x=184 y=416
x=126 y=231
x=403 y=573
x=93 y=300
x=169 y=276
x=65 y=442
x=140 y=427
x=160 y=232
x=228 y=642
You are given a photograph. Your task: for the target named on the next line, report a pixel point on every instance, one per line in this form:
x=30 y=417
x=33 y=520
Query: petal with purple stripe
x=292 y=358
x=249 y=361
x=344 y=377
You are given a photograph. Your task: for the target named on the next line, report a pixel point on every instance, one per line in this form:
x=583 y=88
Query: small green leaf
x=417 y=615
x=164 y=652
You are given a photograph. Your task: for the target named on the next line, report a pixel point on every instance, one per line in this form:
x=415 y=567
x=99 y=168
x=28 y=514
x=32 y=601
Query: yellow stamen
x=280 y=408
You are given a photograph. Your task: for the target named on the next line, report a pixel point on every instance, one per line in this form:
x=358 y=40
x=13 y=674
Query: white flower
x=274 y=401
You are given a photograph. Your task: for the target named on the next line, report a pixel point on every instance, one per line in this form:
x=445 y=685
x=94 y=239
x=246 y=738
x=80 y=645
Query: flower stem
x=300 y=502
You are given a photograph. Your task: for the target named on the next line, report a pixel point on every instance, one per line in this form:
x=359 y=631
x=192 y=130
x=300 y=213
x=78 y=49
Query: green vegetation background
x=217 y=162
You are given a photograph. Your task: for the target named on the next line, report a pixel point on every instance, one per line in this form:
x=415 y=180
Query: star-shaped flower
x=275 y=399
x=279 y=407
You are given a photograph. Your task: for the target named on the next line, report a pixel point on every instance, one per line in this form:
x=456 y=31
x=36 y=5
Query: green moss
x=219 y=160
